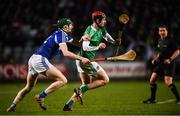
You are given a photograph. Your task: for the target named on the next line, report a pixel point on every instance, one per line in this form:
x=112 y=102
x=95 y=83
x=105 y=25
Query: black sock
x=174 y=90
x=153 y=91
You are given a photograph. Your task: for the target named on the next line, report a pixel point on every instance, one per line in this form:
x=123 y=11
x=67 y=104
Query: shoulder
x=59 y=31
x=88 y=30
x=171 y=40
x=104 y=31
x=172 y=43
x=89 y=27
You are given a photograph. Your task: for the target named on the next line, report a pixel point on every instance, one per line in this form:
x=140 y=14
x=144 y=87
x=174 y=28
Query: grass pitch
x=117 y=98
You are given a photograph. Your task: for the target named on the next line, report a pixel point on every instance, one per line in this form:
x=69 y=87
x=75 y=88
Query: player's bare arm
x=174 y=56
x=71 y=55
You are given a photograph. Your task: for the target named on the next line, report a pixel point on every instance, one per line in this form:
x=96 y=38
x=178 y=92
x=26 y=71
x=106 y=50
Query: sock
x=174 y=90
x=153 y=91
x=43 y=94
x=84 y=88
x=70 y=102
x=13 y=105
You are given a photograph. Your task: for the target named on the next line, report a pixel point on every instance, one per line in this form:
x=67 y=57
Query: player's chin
x=70 y=31
x=102 y=26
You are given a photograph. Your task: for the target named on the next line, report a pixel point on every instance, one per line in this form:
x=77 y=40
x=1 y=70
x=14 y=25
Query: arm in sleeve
x=86 y=46
x=108 y=38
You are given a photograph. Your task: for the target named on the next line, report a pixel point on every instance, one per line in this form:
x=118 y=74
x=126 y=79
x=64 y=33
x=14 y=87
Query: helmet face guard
x=98 y=15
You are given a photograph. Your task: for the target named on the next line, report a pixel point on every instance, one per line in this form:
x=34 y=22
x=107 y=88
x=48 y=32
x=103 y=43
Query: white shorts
x=89 y=68
x=38 y=64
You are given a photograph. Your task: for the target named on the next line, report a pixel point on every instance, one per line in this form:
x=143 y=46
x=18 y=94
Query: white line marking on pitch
x=166 y=101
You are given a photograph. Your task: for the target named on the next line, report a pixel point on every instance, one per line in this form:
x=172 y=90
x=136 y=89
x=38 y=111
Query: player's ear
x=65 y=27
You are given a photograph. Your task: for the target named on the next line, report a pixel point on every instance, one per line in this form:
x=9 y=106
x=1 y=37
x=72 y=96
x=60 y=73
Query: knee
x=28 y=89
x=106 y=81
x=168 y=82
x=153 y=78
x=63 y=81
x=152 y=82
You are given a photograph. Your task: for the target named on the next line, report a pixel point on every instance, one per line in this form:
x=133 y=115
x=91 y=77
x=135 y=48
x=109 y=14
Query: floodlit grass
x=117 y=98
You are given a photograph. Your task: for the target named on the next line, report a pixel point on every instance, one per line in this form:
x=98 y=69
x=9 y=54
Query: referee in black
x=167 y=53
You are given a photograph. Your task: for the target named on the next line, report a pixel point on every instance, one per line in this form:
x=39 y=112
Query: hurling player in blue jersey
x=39 y=63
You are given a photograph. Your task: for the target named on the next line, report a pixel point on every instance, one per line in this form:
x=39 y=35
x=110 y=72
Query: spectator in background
x=137 y=29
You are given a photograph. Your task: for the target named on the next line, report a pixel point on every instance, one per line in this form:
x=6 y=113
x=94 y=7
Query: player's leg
x=58 y=77
x=102 y=79
x=85 y=79
x=31 y=81
x=168 y=79
x=169 y=82
x=153 y=88
x=59 y=81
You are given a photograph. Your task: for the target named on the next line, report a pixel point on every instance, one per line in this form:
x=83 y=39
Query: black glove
x=117 y=42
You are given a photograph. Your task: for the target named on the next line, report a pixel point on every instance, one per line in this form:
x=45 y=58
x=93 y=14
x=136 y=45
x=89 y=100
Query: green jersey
x=96 y=36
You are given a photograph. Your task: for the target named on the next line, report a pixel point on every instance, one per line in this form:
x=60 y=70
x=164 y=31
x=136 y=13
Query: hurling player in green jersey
x=94 y=33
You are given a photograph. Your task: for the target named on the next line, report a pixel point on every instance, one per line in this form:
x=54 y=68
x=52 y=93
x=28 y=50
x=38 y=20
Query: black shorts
x=164 y=69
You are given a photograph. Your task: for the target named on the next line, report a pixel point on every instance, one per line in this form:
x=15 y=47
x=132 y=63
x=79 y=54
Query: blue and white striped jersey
x=50 y=47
